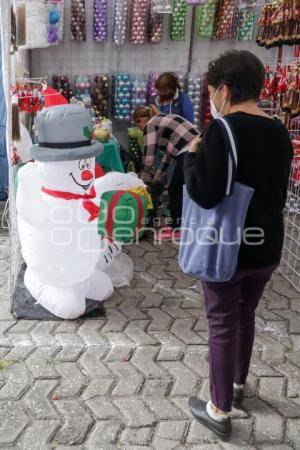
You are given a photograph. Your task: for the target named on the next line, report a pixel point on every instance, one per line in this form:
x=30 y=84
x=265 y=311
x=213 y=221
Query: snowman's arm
x=29 y=202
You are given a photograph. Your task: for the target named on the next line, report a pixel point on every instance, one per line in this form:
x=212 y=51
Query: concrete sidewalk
x=124 y=382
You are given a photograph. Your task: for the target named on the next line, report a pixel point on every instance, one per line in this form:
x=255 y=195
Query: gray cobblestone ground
x=123 y=382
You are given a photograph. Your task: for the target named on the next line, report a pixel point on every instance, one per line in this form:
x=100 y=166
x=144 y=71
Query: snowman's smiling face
x=83 y=175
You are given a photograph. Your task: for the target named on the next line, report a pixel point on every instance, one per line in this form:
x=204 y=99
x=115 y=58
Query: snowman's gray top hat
x=64 y=133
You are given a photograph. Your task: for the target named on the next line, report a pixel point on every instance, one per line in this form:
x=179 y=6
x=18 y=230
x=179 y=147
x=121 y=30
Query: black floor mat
x=24 y=306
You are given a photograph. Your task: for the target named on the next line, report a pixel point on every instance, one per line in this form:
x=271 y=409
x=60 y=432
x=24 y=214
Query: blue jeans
x=3 y=165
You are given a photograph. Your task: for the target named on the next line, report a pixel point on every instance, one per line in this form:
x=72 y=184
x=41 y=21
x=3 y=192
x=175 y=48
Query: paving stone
x=136 y=436
x=196 y=358
x=20 y=353
x=182 y=328
x=64 y=339
x=72 y=380
x=135 y=330
x=17 y=381
x=200 y=434
x=155 y=396
x=42 y=333
x=160 y=320
x=37 y=400
x=130 y=309
x=144 y=360
x=271 y=390
x=174 y=310
x=76 y=425
x=121 y=347
x=41 y=363
x=241 y=435
x=185 y=380
x=158 y=272
x=97 y=387
x=293 y=432
x=271 y=350
x=4 y=339
x=293 y=318
x=293 y=375
x=260 y=368
x=169 y=434
x=13 y=420
x=23 y=326
x=171 y=347
x=89 y=332
x=144 y=280
x=129 y=379
x=103 y=408
x=165 y=288
x=276 y=301
x=140 y=265
x=38 y=435
x=116 y=322
x=68 y=326
x=269 y=426
x=135 y=411
x=294 y=357
x=152 y=301
x=285 y=290
x=104 y=436
x=275 y=447
x=69 y=353
x=92 y=364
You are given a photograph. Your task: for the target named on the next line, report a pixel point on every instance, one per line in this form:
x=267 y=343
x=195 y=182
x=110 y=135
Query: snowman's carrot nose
x=86 y=175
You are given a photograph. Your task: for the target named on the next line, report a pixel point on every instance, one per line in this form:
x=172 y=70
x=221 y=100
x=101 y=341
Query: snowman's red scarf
x=89 y=206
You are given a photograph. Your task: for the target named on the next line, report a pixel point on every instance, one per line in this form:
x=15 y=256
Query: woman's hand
x=194 y=144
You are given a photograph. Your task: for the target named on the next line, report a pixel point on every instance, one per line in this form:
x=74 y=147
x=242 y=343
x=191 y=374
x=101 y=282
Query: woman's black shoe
x=238 y=396
x=221 y=428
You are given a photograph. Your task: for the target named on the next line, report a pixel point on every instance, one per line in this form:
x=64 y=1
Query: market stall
x=105 y=58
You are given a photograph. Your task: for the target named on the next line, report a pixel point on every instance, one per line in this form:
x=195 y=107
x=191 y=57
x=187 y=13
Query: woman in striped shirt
x=171 y=134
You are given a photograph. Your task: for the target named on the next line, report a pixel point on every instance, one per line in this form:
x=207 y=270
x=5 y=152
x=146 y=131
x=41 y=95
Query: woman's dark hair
x=167 y=80
x=241 y=71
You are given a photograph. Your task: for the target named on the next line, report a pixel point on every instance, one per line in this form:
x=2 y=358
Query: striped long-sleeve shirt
x=169 y=133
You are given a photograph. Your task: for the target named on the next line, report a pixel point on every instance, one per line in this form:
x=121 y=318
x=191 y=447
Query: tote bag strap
x=231 y=147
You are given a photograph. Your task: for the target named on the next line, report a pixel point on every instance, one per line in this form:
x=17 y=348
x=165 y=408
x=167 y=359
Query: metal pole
x=191 y=49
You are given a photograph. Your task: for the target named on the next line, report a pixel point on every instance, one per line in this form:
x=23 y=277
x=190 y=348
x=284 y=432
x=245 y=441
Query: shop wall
x=84 y=58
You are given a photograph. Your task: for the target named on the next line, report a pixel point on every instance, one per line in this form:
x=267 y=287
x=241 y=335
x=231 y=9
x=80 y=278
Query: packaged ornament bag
x=139 y=21
x=138 y=92
x=136 y=144
x=155 y=25
x=100 y=95
x=205 y=16
x=178 y=20
x=56 y=21
x=120 y=21
x=78 y=20
x=162 y=6
x=100 y=20
x=122 y=96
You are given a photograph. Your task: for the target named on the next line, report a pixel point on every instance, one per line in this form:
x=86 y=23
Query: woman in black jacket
x=265 y=153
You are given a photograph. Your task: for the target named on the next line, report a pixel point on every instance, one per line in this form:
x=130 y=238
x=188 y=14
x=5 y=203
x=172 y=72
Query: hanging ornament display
x=194 y=92
x=55 y=27
x=205 y=19
x=182 y=80
x=155 y=25
x=82 y=87
x=100 y=20
x=153 y=76
x=162 y=6
x=138 y=92
x=62 y=84
x=246 y=24
x=122 y=96
x=139 y=21
x=196 y=2
x=78 y=28
x=100 y=95
x=178 y=20
x=279 y=24
x=120 y=22
x=227 y=19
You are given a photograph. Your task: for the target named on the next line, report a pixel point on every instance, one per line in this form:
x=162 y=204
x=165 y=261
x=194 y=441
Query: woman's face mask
x=214 y=112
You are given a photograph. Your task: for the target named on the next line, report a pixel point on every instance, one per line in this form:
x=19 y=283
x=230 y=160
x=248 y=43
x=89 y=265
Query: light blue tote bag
x=211 y=238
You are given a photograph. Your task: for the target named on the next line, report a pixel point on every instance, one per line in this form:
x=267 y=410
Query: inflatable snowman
x=58 y=214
